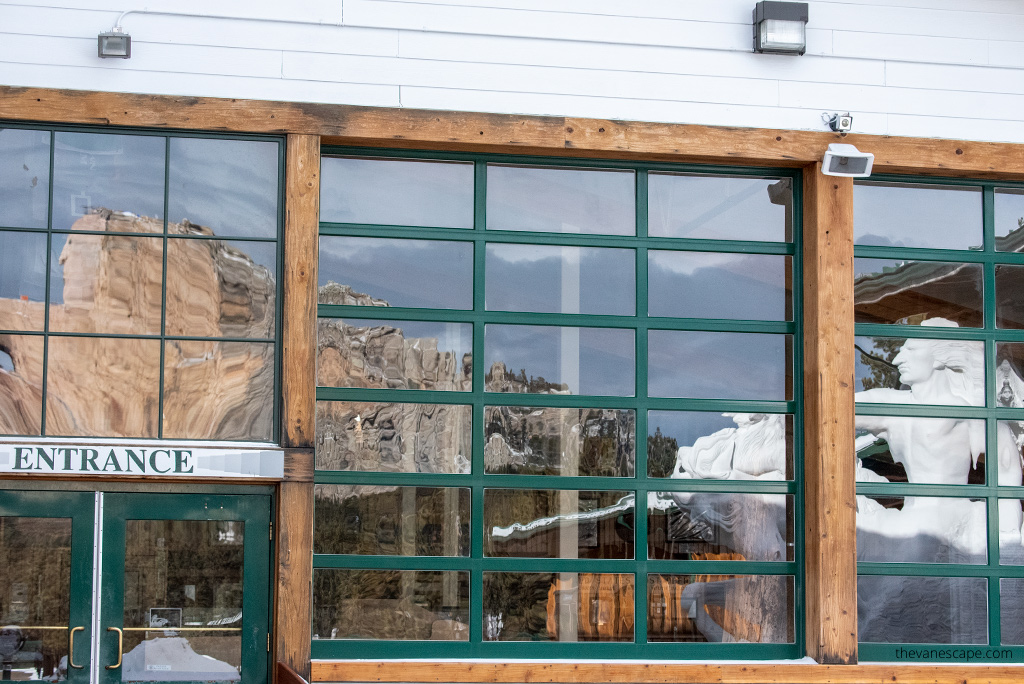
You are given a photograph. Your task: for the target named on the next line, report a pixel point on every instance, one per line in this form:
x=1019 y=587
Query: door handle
x=71 y=648
x=120 y=647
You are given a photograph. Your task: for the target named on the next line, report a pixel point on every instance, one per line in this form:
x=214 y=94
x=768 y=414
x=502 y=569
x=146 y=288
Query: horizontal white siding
x=941 y=68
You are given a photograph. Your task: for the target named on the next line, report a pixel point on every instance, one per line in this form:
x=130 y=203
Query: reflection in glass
x=24 y=177
x=920 y=450
x=229 y=186
x=398 y=192
x=721 y=609
x=1009 y=296
x=720 y=365
x=1009 y=220
x=219 y=390
x=1010 y=435
x=719 y=285
x=563 y=606
x=395 y=438
x=521 y=440
x=907 y=292
x=391 y=521
x=1011 y=611
x=559 y=360
x=105 y=387
x=546 y=523
x=221 y=288
x=720 y=208
x=21 y=384
x=561 y=279
x=123 y=174
x=391 y=272
x=914 y=215
x=921 y=529
x=719 y=446
x=561 y=200
x=922 y=610
x=183 y=600
x=390 y=604
x=1011 y=515
x=920 y=371
x=394 y=354
x=35 y=563
x=719 y=526
x=22 y=280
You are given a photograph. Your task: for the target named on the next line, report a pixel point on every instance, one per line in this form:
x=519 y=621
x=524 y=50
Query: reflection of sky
x=23 y=265
x=713 y=285
x=554 y=279
x=919 y=216
x=24 y=177
x=862 y=370
x=6 y=363
x=717 y=365
x=417 y=273
x=605 y=356
x=1009 y=210
x=714 y=207
x=451 y=337
x=687 y=426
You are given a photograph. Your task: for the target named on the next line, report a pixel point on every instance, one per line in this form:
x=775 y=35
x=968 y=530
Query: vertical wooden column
x=829 y=501
x=294 y=538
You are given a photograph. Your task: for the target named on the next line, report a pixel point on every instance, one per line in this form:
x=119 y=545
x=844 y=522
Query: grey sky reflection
x=24 y=177
x=892 y=215
x=23 y=265
x=716 y=207
x=1009 y=213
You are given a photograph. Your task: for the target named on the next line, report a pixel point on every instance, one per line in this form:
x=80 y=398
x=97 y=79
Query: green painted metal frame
x=991 y=491
x=47 y=334
x=476 y=564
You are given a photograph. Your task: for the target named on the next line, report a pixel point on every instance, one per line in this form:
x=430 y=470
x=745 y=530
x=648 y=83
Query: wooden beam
x=293 y=596
x=565 y=136
x=830 y=561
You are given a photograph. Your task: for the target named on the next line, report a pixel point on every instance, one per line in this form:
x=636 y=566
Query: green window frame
x=987 y=258
x=477 y=480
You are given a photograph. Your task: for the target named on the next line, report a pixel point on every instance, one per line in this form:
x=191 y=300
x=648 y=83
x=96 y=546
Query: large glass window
x=138 y=284
x=497 y=340
x=939 y=277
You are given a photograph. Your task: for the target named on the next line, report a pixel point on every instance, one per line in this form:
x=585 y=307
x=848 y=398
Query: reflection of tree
x=883 y=371
x=661 y=454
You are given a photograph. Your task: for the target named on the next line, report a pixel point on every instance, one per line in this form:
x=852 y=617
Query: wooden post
x=294 y=538
x=830 y=495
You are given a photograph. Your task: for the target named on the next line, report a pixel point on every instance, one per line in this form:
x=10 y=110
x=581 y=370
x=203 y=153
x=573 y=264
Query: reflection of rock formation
x=499 y=379
x=334 y=293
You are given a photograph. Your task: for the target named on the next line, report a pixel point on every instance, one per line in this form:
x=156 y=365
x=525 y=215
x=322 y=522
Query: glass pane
x=1010 y=375
x=908 y=292
x=1011 y=610
x=1011 y=451
x=398 y=192
x=720 y=208
x=559 y=360
x=719 y=526
x=219 y=390
x=21 y=384
x=522 y=440
x=103 y=387
x=1009 y=221
x=718 y=285
x=912 y=215
x=394 y=354
x=24 y=177
x=920 y=371
x=1011 y=544
x=123 y=174
x=921 y=529
x=183 y=600
x=221 y=288
x=22 y=280
x=562 y=606
x=106 y=284
x=553 y=200
x=561 y=279
x=394 y=438
x=701 y=445
x=547 y=523
x=685 y=363
x=391 y=604
x=35 y=607
x=389 y=272
x=1009 y=296
x=227 y=186
x=721 y=609
x=922 y=610
x=391 y=521
x=920 y=450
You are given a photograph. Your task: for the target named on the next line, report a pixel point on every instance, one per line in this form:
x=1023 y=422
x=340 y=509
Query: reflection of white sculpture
x=753 y=450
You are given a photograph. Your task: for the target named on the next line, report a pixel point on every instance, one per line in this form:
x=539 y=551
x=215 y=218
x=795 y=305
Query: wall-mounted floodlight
x=847 y=160
x=780 y=27
x=115 y=43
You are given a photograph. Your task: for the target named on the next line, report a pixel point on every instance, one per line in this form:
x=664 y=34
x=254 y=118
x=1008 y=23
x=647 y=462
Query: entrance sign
x=159 y=460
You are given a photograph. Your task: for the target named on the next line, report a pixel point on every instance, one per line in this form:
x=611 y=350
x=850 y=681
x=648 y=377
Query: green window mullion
x=49 y=265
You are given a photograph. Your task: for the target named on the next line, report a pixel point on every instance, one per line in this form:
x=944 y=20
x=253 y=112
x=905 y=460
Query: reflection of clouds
x=514 y=254
x=715 y=207
x=24 y=177
x=717 y=365
x=919 y=216
x=699 y=285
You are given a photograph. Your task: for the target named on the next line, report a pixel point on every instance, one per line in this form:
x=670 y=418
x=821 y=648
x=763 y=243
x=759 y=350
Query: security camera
x=847 y=160
x=840 y=123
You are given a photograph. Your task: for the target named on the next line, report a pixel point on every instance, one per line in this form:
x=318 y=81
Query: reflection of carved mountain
x=499 y=379
x=335 y=293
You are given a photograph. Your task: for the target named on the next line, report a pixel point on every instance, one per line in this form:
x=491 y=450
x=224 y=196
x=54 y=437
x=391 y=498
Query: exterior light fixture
x=115 y=43
x=780 y=27
x=846 y=160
